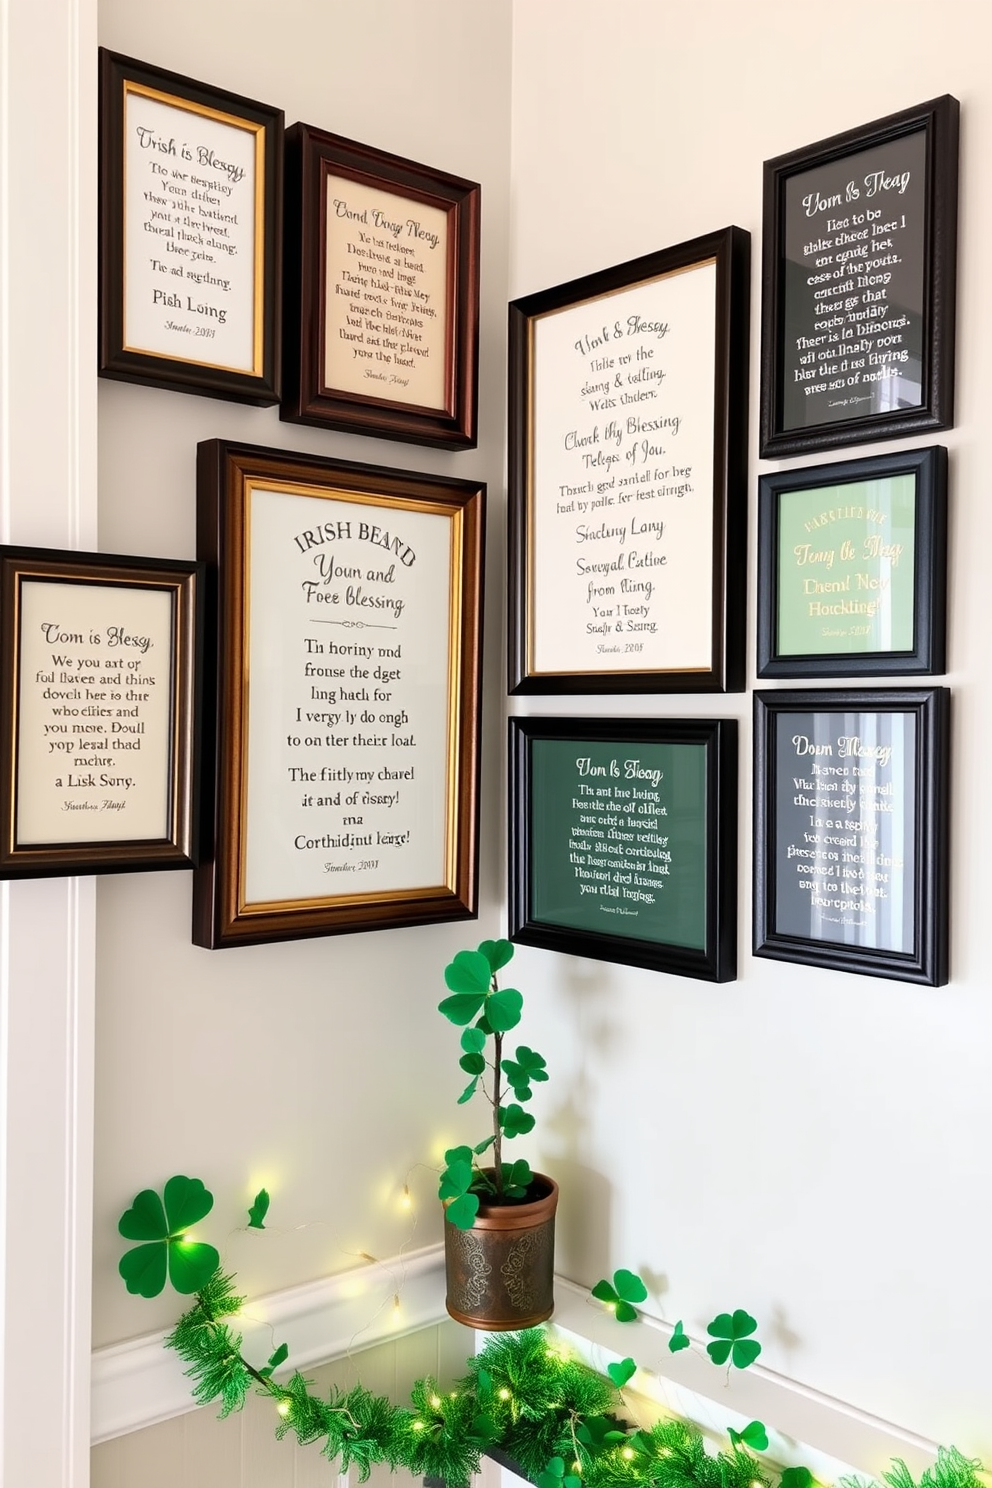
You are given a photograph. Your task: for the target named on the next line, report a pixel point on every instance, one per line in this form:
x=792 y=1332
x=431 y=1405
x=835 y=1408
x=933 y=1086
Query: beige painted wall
x=319 y=1067
x=808 y=1144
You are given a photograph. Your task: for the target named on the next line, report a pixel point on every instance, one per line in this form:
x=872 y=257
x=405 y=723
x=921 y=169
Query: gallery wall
x=805 y=1143
x=319 y=1068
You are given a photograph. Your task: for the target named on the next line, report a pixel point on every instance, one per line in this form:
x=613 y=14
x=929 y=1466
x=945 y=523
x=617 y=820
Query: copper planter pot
x=501 y=1272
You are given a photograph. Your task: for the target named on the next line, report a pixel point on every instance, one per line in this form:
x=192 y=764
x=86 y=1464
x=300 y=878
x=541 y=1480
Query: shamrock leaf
x=468 y=1092
x=515 y=1121
x=166 y=1252
x=279 y=1357
x=627 y=1287
x=503 y=1010
x=527 y=1066
x=497 y=953
x=462 y=1211
x=258 y=1210
x=456 y=1178
x=731 y=1332
x=796 y=1477
x=516 y=1178
x=678 y=1340
x=754 y=1436
x=473 y=1040
x=555 y=1476
x=622 y=1372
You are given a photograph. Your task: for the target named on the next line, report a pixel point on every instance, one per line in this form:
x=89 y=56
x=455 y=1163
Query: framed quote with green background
x=623 y=841
x=852 y=567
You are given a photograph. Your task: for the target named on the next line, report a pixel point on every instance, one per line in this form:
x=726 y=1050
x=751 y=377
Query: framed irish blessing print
x=852 y=567
x=346 y=677
x=851 y=831
x=623 y=841
x=628 y=426
x=98 y=702
x=190 y=234
x=382 y=293
x=858 y=284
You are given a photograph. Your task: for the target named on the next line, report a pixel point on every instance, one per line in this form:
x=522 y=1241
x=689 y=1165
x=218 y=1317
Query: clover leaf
x=166 y=1252
x=515 y=1121
x=731 y=1332
x=627 y=1287
x=753 y=1435
x=622 y=1372
x=555 y=1476
x=796 y=1477
x=528 y=1066
x=468 y=976
x=279 y=1357
x=503 y=1009
x=516 y=1178
x=258 y=1210
x=679 y=1339
x=497 y=953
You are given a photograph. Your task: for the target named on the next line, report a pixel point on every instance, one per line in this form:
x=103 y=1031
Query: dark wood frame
x=112 y=570
x=116 y=360
x=927 y=655
x=730 y=247
x=928 y=963
x=718 y=961
x=939 y=118
x=312 y=156
x=224 y=471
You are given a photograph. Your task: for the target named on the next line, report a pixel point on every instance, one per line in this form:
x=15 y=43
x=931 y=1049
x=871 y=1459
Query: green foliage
x=555 y=1476
x=753 y=1435
x=626 y=1288
x=733 y=1341
x=166 y=1251
x=951 y=1470
x=679 y=1339
x=258 y=1210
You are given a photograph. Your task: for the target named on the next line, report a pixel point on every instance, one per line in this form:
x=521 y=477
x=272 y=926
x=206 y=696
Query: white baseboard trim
x=140 y=1383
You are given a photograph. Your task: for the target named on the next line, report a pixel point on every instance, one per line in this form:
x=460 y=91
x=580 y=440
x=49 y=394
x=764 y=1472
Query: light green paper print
x=846 y=563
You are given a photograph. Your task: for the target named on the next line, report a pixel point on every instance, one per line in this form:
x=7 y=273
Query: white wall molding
x=48 y=150
x=139 y=1383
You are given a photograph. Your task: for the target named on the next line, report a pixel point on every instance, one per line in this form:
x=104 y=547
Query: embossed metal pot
x=501 y=1272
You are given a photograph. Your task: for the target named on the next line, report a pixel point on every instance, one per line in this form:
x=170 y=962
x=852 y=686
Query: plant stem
x=497 y=1129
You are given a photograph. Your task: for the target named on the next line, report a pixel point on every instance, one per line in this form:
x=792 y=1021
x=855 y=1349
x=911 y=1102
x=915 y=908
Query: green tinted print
x=618 y=839
x=846 y=566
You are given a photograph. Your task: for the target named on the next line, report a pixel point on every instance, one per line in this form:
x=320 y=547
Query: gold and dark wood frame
x=320 y=571
x=392 y=338
x=623 y=841
x=852 y=223
x=193 y=271
x=99 y=695
x=850 y=525
x=851 y=830
x=606 y=319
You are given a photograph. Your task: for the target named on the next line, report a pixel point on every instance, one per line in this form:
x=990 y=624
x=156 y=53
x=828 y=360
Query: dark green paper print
x=846 y=568
x=619 y=839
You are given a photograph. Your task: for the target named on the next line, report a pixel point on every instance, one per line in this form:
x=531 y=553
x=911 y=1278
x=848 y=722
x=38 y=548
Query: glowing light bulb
x=405 y=1199
x=435 y=1402
x=504 y=1394
x=418 y=1425
x=283 y=1407
x=454 y=1394
x=627 y=1454
x=577 y=1468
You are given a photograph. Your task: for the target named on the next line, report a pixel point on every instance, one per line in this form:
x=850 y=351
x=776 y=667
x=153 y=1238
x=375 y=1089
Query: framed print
x=628 y=463
x=850 y=831
x=346 y=676
x=858 y=284
x=382 y=293
x=98 y=695
x=190 y=224
x=623 y=841
x=852 y=567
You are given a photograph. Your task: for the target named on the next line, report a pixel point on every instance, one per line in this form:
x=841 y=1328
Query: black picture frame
x=849 y=567
x=584 y=332
x=854 y=846
x=345 y=625
x=100 y=677
x=697 y=936
x=202 y=287
x=414 y=315
x=819 y=230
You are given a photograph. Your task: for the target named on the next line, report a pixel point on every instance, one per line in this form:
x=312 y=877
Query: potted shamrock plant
x=499 y=1218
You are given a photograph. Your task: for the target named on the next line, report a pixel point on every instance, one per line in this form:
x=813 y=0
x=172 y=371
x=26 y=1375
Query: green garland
x=546 y=1411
